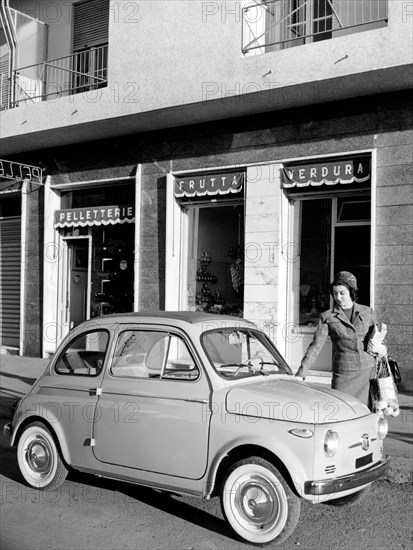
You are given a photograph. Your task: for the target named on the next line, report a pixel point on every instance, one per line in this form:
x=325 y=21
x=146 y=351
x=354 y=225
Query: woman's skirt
x=354 y=382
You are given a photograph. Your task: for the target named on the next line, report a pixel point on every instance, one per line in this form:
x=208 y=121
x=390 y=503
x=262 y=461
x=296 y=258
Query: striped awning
x=95 y=215
x=335 y=173
x=224 y=183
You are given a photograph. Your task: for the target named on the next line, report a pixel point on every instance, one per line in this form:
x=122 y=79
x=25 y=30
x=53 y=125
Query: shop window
x=349 y=210
x=102 y=196
x=334 y=236
x=215 y=277
x=112 y=269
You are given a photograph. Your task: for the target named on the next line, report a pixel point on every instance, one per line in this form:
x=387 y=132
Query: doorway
x=78 y=276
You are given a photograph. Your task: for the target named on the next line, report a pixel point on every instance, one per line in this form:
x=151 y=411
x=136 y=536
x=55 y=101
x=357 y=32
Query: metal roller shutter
x=91 y=24
x=10 y=257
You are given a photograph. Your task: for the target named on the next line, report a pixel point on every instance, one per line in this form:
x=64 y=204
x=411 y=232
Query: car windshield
x=242 y=352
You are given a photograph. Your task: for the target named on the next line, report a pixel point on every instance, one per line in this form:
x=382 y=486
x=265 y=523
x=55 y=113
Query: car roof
x=191 y=317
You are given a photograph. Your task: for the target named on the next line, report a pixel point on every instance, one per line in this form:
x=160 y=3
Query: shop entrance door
x=78 y=277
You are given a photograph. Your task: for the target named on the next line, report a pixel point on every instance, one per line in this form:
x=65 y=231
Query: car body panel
x=286 y=398
x=142 y=424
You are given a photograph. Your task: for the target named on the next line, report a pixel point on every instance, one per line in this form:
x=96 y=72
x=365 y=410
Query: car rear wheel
x=39 y=459
x=258 y=503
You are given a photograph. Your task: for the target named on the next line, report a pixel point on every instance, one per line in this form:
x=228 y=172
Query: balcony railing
x=50 y=80
x=271 y=25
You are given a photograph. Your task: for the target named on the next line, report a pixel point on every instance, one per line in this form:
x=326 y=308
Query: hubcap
x=256 y=502
x=38 y=456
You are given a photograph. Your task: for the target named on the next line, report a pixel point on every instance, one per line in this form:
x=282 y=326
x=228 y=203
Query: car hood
x=293 y=400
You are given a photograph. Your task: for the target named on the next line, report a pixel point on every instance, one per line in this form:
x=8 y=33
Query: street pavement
x=17 y=375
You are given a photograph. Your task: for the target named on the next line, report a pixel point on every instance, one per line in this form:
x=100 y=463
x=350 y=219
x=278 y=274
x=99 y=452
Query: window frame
x=170 y=334
x=70 y=343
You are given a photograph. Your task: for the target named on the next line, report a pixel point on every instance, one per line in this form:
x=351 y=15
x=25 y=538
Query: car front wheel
x=258 y=503
x=39 y=459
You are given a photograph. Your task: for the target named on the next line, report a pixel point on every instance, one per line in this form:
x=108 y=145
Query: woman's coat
x=352 y=365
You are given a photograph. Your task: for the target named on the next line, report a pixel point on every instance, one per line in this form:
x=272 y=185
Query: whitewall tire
x=258 y=503
x=39 y=459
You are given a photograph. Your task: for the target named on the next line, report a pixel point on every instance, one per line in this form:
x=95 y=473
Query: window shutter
x=91 y=24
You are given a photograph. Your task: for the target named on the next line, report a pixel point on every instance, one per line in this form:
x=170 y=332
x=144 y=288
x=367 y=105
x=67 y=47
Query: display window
x=334 y=236
x=212 y=210
x=216 y=266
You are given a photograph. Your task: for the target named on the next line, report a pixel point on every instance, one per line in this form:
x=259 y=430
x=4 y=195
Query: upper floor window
x=90 y=40
x=51 y=67
x=272 y=25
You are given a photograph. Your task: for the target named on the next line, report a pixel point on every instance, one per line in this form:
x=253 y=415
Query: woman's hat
x=345 y=278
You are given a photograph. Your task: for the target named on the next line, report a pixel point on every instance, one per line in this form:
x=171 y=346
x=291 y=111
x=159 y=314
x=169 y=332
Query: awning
x=16 y=171
x=222 y=183
x=95 y=215
x=343 y=172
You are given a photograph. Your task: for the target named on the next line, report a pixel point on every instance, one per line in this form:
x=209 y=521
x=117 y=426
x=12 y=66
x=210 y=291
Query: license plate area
x=364 y=460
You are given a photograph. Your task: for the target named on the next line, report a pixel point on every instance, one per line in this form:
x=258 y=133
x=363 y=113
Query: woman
x=349 y=326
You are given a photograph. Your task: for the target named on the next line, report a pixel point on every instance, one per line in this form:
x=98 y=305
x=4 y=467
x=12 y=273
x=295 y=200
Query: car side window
x=85 y=355
x=153 y=354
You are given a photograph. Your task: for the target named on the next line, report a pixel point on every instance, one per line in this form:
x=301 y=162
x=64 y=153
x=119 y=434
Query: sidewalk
x=17 y=374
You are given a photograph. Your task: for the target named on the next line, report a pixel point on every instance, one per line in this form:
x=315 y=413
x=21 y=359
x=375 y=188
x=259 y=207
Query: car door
x=69 y=391
x=153 y=410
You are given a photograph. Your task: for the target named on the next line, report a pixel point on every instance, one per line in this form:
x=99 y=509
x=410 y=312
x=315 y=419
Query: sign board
x=322 y=174
x=17 y=171
x=94 y=215
x=211 y=184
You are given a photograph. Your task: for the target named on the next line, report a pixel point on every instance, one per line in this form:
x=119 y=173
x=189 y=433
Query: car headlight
x=331 y=443
x=382 y=427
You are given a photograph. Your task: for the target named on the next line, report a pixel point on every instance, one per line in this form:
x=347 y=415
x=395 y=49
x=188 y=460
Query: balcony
x=48 y=81
x=273 y=25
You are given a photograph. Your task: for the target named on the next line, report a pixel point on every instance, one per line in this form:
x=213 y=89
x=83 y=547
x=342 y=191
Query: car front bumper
x=345 y=483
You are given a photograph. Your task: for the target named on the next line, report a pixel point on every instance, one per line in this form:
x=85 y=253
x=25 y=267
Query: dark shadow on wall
x=161 y=206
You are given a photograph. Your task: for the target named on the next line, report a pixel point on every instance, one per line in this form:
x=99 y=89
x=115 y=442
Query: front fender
x=295 y=453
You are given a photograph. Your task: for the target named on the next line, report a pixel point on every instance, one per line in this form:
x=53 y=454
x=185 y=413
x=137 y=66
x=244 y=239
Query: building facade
x=233 y=166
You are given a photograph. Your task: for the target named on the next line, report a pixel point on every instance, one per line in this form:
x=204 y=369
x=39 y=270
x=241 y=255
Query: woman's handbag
x=394 y=368
x=383 y=389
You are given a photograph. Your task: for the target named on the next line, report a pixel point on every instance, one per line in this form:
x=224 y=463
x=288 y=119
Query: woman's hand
x=299 y=374
x=376 y=348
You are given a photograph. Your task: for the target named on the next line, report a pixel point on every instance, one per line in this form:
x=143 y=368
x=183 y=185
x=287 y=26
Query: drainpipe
x=11 y=37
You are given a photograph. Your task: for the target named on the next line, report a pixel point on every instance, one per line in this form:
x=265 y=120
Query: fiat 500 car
x=202 y=405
